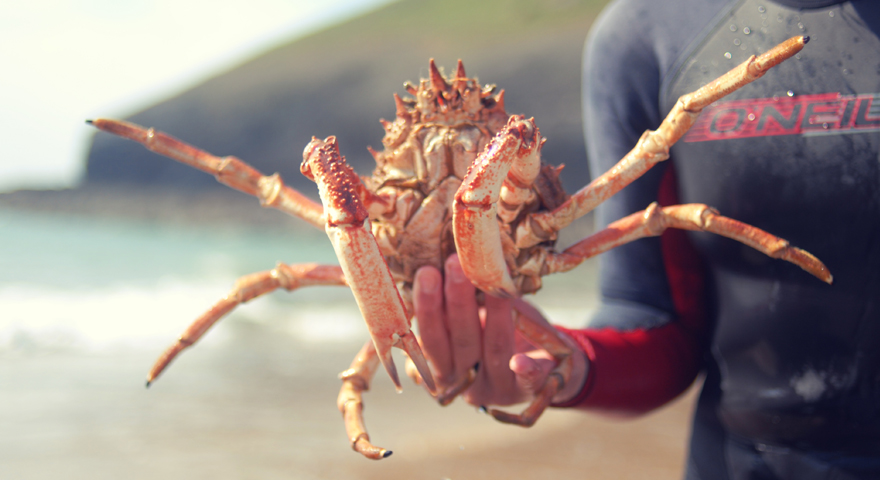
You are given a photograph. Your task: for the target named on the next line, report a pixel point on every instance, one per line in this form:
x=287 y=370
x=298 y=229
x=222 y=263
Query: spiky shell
x=435 y=137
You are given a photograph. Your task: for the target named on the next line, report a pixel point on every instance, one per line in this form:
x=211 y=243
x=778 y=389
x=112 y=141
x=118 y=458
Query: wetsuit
x=792 y=365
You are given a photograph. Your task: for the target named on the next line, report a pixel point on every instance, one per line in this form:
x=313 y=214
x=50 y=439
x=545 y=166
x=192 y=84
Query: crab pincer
x=362 y=263
x=511 y=160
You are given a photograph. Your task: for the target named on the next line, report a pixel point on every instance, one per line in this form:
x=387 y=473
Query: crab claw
x=359 y=256
x=512 y=158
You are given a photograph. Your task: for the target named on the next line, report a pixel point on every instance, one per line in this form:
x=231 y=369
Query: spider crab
x=457 y=174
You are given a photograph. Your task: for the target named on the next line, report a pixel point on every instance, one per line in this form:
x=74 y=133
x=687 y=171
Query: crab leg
x=359 y=256
x=655 y=220
x=653 y=146
x=512 y=157
x=355 y=381
x=270 y=190
x=288 y=277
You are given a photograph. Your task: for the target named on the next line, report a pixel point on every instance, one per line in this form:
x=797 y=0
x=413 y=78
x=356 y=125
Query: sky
x=62 y=62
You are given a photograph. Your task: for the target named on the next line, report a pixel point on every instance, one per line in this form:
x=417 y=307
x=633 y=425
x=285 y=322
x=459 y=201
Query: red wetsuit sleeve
x=633 y=372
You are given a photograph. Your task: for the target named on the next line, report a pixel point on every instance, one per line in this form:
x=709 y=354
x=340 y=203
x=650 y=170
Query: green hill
x=339 y=82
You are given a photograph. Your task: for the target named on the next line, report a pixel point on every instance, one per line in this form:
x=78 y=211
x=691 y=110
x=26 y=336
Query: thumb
x=531 y=373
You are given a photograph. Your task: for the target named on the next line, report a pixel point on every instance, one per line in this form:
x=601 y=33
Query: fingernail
x=458 y=275
x=428 y=282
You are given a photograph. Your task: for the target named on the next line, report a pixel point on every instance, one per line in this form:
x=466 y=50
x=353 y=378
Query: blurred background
x=107 y=251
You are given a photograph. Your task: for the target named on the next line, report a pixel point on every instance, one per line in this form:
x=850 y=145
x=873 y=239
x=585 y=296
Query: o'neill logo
x=822 y=114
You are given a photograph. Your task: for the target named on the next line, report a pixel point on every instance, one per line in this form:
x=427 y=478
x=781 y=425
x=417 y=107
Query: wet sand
x=262 y=406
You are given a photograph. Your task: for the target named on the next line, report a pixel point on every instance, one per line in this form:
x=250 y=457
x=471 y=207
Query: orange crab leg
x=653 y=146
x=288 y=277
x=270 y=190
x=655 y=220
x=475 y=226
x=355 y=381
x=362 y=263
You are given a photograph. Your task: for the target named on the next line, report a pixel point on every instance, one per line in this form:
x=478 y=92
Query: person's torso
x=794 y=153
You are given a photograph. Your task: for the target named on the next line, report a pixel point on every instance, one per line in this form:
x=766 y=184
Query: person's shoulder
x=667 y=15
x=622 y=30
x=648 y=27
x=625 y=20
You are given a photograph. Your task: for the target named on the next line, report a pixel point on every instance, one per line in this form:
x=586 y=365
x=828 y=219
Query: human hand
x=457 y=334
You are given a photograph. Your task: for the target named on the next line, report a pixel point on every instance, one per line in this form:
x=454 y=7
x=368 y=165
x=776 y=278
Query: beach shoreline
x=263 y=406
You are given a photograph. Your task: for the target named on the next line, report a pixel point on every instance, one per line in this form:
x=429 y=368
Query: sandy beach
x=263 y=406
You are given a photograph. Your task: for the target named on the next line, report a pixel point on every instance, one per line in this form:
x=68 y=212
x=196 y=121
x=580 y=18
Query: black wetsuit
x=792 y=365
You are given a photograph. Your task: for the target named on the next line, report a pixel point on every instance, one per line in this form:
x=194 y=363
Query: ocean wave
x=39 y=318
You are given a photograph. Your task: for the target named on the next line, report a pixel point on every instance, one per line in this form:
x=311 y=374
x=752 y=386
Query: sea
x=90 y=283
x=71 y=282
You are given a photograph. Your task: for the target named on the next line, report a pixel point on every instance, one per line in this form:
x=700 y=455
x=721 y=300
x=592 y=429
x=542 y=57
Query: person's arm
x=646 y=341
x=622 y=372
x=641 y=365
